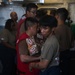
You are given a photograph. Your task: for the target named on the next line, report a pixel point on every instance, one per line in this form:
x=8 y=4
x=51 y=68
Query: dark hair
x=31 y=5
x=29 y=22
x=49 y=21
x=63 y=13
x=9 y=23
x=53 y=12
x=40 y=13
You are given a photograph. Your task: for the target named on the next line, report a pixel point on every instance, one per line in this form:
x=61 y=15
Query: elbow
x=23 y=58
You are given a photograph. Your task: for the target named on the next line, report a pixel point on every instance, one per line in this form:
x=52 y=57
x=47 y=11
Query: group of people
x=41 y=42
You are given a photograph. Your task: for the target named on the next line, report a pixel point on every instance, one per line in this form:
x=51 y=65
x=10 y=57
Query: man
x=31 y=9
x=64 y=36
x=14 y=16
x=27 y=48
x=49 y=61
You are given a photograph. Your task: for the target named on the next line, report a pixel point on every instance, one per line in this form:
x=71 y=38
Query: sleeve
x=4 y=36
x=23 y=48
x=22 y=29
x=47 y=53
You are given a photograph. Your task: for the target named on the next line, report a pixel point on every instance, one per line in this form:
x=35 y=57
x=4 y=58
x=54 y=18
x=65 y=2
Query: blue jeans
x=54 y=70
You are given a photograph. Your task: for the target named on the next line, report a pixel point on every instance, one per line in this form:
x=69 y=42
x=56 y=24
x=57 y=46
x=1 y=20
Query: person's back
x=63 y=32
x=64 y=36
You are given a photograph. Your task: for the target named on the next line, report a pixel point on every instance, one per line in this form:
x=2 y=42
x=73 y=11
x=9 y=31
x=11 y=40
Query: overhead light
x=8 y=1
x=0 y=2
x=17 y=0
x=41 y=1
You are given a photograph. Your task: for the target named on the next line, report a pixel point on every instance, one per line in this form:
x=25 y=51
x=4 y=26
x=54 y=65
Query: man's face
x=14 y=16
x=45 y=31
x=32 y=12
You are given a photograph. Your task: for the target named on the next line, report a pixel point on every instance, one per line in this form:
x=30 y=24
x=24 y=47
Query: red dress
x=21 y=66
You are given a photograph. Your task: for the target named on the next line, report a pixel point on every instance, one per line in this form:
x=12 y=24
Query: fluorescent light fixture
x=41 y=1
x=17 y=0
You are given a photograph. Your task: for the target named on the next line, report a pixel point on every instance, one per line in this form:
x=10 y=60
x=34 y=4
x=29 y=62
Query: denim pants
x=54 y=70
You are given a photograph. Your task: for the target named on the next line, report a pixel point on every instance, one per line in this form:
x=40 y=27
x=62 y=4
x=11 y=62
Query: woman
x=7 y=45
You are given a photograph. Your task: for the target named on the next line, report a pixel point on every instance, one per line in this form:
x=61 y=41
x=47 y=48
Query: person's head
x=31 y=25
x=10 y=25
x=31 y=9
x=62 y=14
x=40 y=13
x=47 y=25
x=14 y=16
x=53 y=12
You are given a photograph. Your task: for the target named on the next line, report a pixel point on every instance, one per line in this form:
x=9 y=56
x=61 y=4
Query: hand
x=31 y=66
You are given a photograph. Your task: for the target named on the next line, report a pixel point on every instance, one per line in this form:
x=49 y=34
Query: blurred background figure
x=65 y=38
x=53 y=12
x=40 y=13
x=14 y=16
x=38 y=37
x=7 y=36
x=7 y=48
x=31 y=9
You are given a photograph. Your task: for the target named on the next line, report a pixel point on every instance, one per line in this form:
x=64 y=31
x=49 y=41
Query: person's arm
x=7 y=45
x=46 y=56
x=24 y=53
x=4 y=37
x=40 y=65
x=27 y=58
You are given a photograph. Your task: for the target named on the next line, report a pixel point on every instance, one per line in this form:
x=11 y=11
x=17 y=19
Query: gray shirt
x=8 y=37
x=50 y=51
